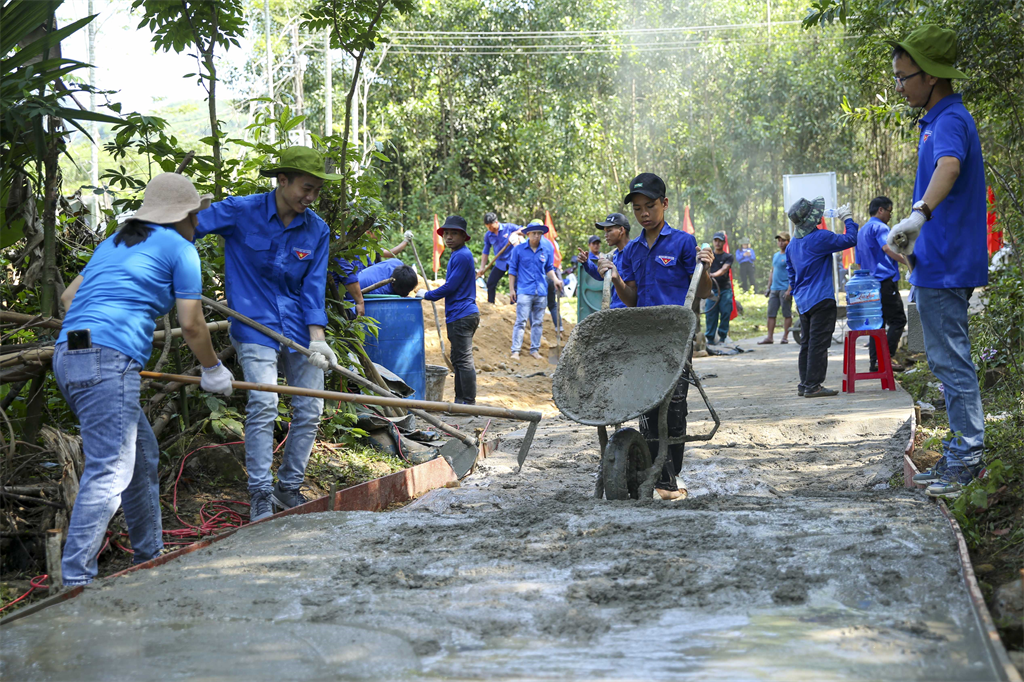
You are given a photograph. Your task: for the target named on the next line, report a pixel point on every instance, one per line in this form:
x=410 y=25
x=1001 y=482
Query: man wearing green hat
x=275 y=270
x=944 y=239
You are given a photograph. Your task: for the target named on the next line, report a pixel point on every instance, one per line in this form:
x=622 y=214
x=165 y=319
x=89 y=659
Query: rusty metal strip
x=997 y=651
x=909 y=469
x=375 y=495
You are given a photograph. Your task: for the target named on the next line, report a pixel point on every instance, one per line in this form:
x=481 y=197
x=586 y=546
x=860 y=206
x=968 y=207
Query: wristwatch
x=925 y=210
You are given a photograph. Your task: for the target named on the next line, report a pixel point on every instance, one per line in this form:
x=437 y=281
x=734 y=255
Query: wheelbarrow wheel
x=626 y=462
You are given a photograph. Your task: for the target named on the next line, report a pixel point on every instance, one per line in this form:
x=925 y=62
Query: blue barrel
x=399 y=342
x=863 y=301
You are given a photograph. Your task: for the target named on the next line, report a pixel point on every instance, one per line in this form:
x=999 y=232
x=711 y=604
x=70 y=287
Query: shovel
x=553 y=358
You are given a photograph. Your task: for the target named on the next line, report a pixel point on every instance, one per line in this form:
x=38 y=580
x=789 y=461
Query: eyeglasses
x=902 y=82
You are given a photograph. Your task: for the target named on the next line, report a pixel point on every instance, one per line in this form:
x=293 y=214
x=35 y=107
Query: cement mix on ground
x=786 y=563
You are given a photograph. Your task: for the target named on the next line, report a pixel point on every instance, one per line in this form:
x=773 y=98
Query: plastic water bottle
x=863 y=301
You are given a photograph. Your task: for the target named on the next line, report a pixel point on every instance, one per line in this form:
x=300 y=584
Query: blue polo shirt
x=496 y=241
x=124 y=289
x=379 y=272
x=531 y=267
x=590 y=265
x=952 y=250
x=745 y=256
x=873 y=235
x=662 y=274
x=459 y=288
x=809 y=262
x=780 y=275
x=274 y=273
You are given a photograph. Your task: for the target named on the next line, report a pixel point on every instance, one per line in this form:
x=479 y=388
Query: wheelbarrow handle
x=606 y=291
x=694 y=282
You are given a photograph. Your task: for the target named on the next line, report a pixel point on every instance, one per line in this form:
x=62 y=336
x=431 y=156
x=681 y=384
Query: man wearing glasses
x=944 y=242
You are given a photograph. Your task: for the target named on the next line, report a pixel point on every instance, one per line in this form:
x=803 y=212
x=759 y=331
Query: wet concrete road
x=790 y=561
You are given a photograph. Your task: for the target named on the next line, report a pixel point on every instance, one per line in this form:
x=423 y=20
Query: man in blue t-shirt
x=530 y=268
x=403 y=278
x=656 y=269
x=874 y=255
x=944 y=239
x=500 y=239
x=745 y=256
x=809 y=263
x=461 y=315
x=616 y=233
x=779 y=294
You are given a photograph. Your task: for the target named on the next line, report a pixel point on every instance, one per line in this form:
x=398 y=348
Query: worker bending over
x=275 y=263
x=655 y=269
x=501 y=238
x=809 y=264
x=461 y=315
x=403 y=275
x=531 y=267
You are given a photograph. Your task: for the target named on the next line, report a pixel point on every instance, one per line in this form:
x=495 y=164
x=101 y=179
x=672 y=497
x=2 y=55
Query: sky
x=127 y=62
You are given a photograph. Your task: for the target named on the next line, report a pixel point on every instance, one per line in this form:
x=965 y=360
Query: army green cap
x=933 y=49
x=301 y=159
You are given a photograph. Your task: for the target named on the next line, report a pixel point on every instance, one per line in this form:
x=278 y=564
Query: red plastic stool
x=850 y=373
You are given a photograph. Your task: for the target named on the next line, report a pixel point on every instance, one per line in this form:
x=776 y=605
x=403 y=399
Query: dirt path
x=785 y=563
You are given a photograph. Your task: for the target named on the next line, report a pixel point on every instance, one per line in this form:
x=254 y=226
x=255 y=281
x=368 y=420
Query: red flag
x=735 y=312
x=552 y=236
x=438 y=247
x=995 y=236
x=687 y=225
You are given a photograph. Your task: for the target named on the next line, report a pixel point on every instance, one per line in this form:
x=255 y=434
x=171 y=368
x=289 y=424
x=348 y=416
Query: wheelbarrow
x=617 y=365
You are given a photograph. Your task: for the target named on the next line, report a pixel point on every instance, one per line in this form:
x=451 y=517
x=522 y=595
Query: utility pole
x=328 y=87
x=94 y=127
x=270 y=63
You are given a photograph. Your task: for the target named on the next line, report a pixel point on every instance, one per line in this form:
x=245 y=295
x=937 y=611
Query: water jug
x=863 y=301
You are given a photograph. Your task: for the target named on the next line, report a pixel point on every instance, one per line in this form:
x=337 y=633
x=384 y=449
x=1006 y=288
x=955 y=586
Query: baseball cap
x=648 y=184
x=594 y=238
x=782 y=235
x=719 y=235
x=614 y=220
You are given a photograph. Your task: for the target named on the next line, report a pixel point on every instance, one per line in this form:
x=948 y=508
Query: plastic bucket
x=436 y=374
x=399 y=342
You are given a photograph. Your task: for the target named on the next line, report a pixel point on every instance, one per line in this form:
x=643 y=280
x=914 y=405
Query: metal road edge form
x=375 y=495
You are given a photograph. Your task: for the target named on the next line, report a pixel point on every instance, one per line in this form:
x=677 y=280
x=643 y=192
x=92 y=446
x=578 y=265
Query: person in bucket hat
x=530 y=268
x=133 y=277
x=461 y=315
x=275 y=262
x=944 y=240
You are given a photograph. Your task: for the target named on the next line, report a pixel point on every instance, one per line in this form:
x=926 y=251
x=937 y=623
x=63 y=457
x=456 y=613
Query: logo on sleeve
x=302 y=253
x=666 y=260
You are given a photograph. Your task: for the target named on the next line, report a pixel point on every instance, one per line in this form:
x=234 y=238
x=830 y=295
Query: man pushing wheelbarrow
x=648 y=345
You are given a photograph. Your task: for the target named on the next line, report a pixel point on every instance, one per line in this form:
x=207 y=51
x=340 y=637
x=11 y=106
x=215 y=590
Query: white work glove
x=843 y=212
x=408 y=234
x=217 y=379
x=902 y=237
x=323 y=357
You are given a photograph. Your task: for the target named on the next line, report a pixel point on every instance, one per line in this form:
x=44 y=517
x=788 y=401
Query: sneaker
x=953 y=481
x=933 y=474
x=819 y=391
x=872 y=368
x=727 y=341
x=710 y=342
x=800 y=391
x=259 y=506
x=286 y=499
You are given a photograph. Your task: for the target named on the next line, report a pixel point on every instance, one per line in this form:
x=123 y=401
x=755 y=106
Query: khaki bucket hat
x=170 y=197
x=301 y=159
x=933 y=49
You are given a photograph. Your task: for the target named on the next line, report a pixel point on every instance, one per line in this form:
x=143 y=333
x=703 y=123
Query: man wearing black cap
x=717 y=312
x=594 y=244
x=461 y=316
x=616 y=233
x=655 y=269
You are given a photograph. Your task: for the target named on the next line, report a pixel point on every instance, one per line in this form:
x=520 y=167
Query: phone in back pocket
x=79 y=339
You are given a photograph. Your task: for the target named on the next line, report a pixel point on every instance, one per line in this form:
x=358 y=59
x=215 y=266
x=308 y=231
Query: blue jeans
x=529 y=307
x=944 y=323
x=716 y=316
x=121 y=457
x=260 y=365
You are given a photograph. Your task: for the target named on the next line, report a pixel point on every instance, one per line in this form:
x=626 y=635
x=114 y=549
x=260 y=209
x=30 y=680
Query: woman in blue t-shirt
x=133 y=278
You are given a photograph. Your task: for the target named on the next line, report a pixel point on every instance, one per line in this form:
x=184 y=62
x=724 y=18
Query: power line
x=521 y=35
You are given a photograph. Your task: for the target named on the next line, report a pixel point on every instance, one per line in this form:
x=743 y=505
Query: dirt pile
x=519 y=384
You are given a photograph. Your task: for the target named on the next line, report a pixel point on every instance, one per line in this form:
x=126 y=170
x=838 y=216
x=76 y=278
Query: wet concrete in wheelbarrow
x=784 y=564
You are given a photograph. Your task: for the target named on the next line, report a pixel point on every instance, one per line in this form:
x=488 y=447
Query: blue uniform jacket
x=274 y=273
x=459 y=288
x=872 y=237
x=809 y=263
x=662 y=274
x=378 y=272
x=496 y=242
x=590 y=265
x=531 y=267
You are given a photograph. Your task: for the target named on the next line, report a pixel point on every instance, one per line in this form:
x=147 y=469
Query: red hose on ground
x=36 y=584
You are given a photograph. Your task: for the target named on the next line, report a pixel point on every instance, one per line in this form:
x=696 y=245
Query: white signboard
x=808 y=186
